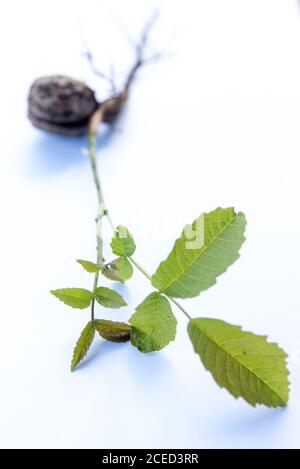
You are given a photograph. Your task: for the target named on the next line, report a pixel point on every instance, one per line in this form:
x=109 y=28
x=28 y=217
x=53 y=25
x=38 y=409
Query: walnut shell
x=61 y=104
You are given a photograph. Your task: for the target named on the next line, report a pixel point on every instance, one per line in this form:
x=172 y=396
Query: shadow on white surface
x=122 y=289
x=249 y=422
x=149 y=367
x=144 y=369
x=50 y=154
x=99 y=351
x=258 y=424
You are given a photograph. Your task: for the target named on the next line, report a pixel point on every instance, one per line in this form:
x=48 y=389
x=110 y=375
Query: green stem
x=103 y=212
x=179 y=307
x=92 y=138
x=143 y=271
x=140 y=268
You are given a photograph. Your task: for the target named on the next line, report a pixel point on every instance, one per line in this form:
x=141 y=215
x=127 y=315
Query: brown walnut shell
x=61 y=104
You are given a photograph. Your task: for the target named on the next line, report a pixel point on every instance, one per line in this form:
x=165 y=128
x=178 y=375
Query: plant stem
x=143 y=271
x=92 y=138
x=179 y=306
x=103 y=212
x=140 y=268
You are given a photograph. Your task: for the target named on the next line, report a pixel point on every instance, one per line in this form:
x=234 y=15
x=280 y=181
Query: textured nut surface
x=61 y=104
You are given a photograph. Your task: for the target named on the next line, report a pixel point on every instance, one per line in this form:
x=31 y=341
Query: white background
x=215 y=123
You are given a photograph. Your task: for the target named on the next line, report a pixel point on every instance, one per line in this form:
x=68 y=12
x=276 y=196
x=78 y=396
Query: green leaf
x=193 y=266
x=75 y=297
x=122 y=267
x=110 y=273
x=83 y=344
x=89 y=266
x=245 y=364
x=154 y=324
x=118 y=270
x=109 y=298
x=113 y=331
x=122 y=243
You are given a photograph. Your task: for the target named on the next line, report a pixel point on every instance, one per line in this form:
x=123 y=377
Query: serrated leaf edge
x=73 y=367
x=285 y=356
x=53 y=292
x=121 y=304
x=82 y=261
x=159 y=296
x=236 y=215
